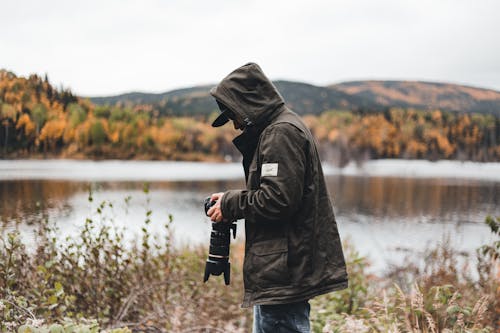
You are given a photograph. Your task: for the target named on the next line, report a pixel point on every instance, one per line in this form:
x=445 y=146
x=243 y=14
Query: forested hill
x=40 y=121
x=309 y=99
x=423 y=95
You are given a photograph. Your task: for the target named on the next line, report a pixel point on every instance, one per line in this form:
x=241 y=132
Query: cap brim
x=220 y=120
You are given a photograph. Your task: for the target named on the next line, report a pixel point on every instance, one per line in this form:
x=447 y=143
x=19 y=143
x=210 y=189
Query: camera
x=220 y=239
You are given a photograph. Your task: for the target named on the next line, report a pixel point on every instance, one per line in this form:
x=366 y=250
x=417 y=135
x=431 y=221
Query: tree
x=52 y=133
x=76 y=113
x=8 y=115
x=39 y=114
x=26 y=131
x=97 y=133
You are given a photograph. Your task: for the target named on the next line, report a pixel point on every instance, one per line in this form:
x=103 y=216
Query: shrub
x=146 y=285
x=149 y=286
x=441 y=296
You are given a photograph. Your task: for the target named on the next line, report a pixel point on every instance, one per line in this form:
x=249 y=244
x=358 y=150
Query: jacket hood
x=249 y=93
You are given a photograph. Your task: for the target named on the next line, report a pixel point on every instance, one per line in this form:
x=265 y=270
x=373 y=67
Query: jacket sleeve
x=279 y=195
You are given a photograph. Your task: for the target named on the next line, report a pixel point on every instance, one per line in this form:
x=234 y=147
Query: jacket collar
x=247 y=141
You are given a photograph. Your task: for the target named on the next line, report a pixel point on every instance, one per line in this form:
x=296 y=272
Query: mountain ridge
x=305 y=98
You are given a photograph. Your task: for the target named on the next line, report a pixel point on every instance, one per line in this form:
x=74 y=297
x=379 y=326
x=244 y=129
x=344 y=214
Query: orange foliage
x=52 y=132
x=32 y=113
x=409 y=134
x=24 y=122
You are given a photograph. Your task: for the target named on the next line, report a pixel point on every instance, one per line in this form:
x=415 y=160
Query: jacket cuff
x=230 y=205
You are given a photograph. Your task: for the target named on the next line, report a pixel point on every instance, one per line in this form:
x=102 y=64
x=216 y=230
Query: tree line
x=406 y=133
x=38 y=120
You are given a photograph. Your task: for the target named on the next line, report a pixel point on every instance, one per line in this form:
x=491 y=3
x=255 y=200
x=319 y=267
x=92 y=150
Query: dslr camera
x=220 y=239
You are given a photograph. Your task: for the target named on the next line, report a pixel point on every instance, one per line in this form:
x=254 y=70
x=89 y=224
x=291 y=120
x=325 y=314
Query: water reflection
x=381 y=215
x=24 y=201
x=431 y=200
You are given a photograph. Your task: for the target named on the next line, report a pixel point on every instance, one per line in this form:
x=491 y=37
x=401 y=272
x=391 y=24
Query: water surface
x=385 y=208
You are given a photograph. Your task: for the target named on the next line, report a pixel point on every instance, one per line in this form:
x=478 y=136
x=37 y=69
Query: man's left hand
x=215 y=211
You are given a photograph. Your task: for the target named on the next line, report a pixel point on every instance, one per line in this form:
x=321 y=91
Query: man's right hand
x=215 y=211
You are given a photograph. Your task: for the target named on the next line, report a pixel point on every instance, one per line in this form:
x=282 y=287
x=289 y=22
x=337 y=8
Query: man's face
x=237 y=121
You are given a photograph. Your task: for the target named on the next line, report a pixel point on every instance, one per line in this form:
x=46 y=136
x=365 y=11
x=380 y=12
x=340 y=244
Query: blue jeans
x=282 y=318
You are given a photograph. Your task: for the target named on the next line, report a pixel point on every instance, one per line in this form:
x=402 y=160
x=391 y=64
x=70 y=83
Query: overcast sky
x=115 y=46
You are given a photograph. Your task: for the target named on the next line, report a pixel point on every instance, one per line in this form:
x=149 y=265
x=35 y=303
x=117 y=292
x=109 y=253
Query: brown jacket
x=293 y=250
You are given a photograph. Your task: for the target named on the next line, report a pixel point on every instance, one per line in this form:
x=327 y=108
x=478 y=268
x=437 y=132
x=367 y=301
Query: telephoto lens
x=220 y=239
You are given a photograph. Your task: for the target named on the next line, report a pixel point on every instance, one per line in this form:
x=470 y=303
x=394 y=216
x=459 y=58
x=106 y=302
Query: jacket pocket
x=267 y=265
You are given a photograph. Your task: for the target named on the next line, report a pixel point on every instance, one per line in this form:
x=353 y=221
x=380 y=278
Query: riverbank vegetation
x=98 y=280
x=39 y=121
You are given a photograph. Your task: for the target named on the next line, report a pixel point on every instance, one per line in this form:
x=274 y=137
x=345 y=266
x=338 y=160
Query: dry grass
x=437 y=297
x=151 y=287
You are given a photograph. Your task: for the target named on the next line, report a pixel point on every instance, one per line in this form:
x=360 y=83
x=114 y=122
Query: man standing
x=293 y=250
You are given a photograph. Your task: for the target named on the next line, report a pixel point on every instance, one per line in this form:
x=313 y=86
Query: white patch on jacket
x=269 y=170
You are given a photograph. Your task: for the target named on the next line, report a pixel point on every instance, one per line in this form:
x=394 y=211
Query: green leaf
x=59 y=289
x=453 y=309
x=52 y=299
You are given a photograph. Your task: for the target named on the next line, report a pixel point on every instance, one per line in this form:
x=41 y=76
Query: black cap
x=222 y=118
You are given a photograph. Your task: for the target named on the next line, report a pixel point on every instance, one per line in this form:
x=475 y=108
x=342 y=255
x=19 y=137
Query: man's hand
x=215 y=212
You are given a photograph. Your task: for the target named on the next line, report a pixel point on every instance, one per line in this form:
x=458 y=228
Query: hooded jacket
x=293 y=250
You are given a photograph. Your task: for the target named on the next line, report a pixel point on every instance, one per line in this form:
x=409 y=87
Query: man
x=293 y=250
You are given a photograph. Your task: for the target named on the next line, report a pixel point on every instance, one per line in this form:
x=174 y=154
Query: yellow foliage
x=25 y=123
x=396 y=133
x=416 y=149
x=69 y=134
x=114 y=137
x=82 y=134
x=53 y=130
x=443 y=144
x=333 y=135
x=7 y=111
x=436 y=116
x=321 y=132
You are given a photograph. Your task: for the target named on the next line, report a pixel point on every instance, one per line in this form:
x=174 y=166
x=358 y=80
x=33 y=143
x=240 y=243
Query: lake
x=385 y=208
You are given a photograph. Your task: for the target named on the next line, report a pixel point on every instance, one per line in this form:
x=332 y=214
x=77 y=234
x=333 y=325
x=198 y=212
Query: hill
x=38 y=120
x=423 y=95
x=310 y=99
x=152 y=98
x=302 y=97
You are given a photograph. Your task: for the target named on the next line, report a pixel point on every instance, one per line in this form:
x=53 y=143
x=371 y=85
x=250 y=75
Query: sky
x=107 y=47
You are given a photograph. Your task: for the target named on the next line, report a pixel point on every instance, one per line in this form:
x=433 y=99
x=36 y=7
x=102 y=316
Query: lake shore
x=138 y=170
x=132 y=283
x=385 y=207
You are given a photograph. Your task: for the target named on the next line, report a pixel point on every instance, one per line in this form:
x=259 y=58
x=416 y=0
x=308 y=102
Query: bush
x=441 y=296
x=148 y=286
x=145 y=286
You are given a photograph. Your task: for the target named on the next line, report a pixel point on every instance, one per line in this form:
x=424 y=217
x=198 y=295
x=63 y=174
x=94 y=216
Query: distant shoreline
x=147 y=170
x=401 y=168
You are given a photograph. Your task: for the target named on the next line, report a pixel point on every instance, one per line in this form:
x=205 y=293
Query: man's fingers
x=215 y=217
x=218 y=217
x=211 y=211
x=215 y=214
x=216 y=196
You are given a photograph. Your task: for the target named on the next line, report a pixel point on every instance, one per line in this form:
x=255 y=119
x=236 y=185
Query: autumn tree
x=8 y=118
